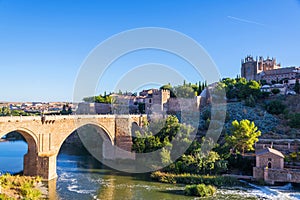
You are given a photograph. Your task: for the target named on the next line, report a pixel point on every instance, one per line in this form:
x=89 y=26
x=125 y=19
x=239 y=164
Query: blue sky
x=44 y=43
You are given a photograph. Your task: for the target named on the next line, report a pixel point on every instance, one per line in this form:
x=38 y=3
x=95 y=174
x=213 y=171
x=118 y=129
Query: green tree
x=5 y=111
x=294 y=120
x=243 y=136
x=253 y=88
x=141 y=107
x=64 y=110
x=275 y=91
x=168 y=87
x=199 y=88
x=263 y=82
x=69 y=110
x=297 y=87
x=275 y=107
x=165 y=156
x=184 y=91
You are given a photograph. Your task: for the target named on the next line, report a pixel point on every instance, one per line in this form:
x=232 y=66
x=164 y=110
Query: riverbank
x=218 y=181
x=20 y=187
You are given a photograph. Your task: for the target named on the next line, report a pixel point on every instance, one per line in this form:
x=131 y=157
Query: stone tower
x=249 y=68
x=156 y=102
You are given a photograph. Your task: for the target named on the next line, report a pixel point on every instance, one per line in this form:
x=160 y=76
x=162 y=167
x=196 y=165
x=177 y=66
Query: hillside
x=271 y=125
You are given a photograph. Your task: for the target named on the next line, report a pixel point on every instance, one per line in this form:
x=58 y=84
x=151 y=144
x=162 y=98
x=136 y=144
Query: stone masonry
x=45 y=139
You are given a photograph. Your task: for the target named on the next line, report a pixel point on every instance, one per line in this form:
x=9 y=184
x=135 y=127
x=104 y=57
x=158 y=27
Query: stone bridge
x=45 y=137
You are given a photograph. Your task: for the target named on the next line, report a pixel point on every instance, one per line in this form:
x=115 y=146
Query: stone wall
x=258 y=173
x=284 y=175
x=94 y=108
x=288 y=147
x=184 y=104
x=276 y=175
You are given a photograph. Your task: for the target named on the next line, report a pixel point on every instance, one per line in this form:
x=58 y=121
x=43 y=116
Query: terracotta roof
x=269 y=150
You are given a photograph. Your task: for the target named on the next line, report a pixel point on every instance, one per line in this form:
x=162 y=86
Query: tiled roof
x=280 y=71
x=269 y=150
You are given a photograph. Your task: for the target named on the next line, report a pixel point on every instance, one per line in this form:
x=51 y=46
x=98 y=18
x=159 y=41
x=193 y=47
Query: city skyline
x=44 y=44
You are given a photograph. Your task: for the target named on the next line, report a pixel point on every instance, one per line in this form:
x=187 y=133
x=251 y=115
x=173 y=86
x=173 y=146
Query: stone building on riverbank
x=270 y=168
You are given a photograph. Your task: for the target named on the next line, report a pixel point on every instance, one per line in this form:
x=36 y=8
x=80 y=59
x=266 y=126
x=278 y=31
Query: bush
x=250 y=102
x=30 y=193
x=20 y=185
x=200 y=190
x=265 y=94
x=275 y=91
x=295 y=120
x=5 y=197
x=275 y=107
x=187 y=178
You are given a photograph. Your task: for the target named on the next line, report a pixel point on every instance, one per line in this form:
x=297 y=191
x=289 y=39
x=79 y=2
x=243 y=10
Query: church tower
x=249 y=68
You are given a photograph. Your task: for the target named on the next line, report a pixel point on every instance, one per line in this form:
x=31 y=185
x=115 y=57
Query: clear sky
x=44 y=43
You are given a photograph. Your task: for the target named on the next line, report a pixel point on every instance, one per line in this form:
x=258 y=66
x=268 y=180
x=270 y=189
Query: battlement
x=251 y=68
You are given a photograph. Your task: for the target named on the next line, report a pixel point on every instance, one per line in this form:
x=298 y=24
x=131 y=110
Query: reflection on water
x=11 y=156
x=77 y=182
x=82 y=177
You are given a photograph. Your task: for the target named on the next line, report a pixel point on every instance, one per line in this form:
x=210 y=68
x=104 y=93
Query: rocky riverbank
x=21 y=187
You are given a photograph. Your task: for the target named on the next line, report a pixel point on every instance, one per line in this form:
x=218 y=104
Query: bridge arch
x=29 y=136
x=95 y=138
x=106 y=134
x=30 y=161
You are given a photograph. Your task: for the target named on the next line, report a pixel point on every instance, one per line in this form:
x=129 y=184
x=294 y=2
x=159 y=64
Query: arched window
x=269 y=165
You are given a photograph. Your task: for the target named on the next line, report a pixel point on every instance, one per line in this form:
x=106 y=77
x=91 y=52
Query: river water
x=82 y=177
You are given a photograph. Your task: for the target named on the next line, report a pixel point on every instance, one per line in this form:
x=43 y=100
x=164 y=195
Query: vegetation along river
x=80 y=176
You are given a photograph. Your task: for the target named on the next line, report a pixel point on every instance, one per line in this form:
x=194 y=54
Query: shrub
x=265 y=94
x=250 y=102
x=275 y=91
x=21 y=185
x=294 y=121
x=30 y=193
x=187 y=178
x=5 y=197
x=200 y=190
x=275 y=107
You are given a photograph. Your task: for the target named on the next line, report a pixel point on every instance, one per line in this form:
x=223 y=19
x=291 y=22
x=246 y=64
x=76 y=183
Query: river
x=82 y=177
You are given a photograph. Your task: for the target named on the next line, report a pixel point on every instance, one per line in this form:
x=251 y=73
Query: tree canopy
x=243 y=136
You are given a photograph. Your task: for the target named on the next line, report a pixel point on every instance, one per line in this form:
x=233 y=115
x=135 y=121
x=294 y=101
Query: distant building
x=281 y=87
x=157 y=100
x=267 y=69
x=270 y=168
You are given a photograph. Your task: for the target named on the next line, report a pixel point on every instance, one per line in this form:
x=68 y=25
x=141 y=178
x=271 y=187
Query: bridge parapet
x=44 y=138
x=61 y=117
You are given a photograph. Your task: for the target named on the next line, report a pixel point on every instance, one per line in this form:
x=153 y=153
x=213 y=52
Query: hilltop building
x=267 y=69
x=156 y=101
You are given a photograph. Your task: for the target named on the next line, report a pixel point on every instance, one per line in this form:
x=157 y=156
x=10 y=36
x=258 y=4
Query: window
x=269 y=165
x=269 y=159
